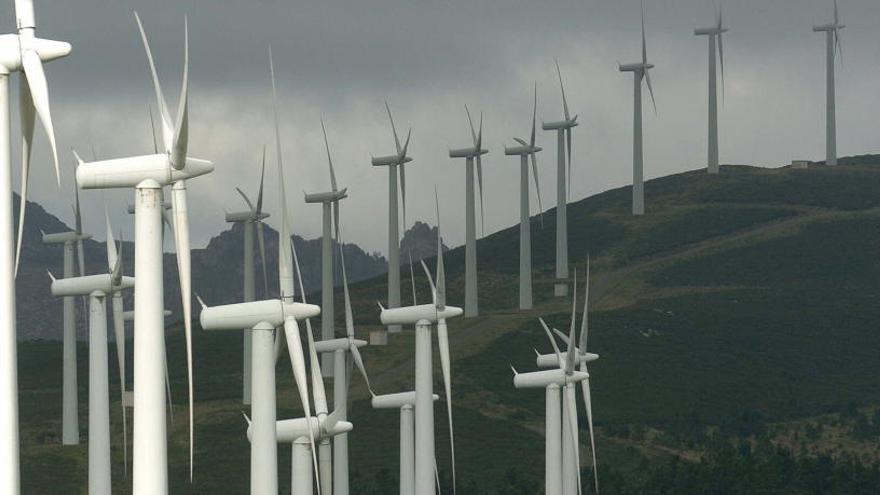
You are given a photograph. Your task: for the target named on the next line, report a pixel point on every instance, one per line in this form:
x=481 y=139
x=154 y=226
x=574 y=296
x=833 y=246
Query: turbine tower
x=22 y=52
x=714 y=34
x=395 y=164
x=640 y=72
x=526 y=151
x=97 y=288
x=832 y=45
x=72 y=241
x=406 y=402
x=563 y=143
x=423 y=316
x=147 y=174
x=330 y=205
x=471 y=154
x=251 y=221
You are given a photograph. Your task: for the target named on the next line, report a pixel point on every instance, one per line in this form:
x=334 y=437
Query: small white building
x=801 y=164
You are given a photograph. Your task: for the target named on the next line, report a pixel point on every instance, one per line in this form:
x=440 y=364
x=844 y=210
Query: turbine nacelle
x=131 y=171
x=411 y=315
x=64 y=237
x=396 y=401
x=712 y=31
x=326 y=197
x=390 y=160
x=543 y=379
x=471 y=152
x=637 y=67
x=341 y=344
x=561 y=124
x=289 y=430
x=552 y=361
x=83 y=286
x=522 y=150
x=250 y=314
x=828 y=27
x=245 y=216
x=12 y=46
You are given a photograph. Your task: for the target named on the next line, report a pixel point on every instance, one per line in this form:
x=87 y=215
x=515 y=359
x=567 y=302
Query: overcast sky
x=341 y=59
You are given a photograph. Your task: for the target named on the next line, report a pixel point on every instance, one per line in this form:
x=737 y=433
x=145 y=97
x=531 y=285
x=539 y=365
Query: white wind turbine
x=526 y=151
x=832 y=45
x=423 y=316
x=395 y=164
x=406 y=402
x=24 y=53
x=640 y=72
x=715 y=36
x=563 y=144
x=72 y=241
x=330 y=203
x=471 y=154
x=341 y=379
x=558 y=446
x=147 y=174
x=583 y=357
x=97 y=288
x=251 y=221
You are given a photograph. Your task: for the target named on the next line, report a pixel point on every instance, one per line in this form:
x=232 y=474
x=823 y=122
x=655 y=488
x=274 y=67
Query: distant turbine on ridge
x=563 y=146
x=832 y=45
x=714 y=34
x=640 y=72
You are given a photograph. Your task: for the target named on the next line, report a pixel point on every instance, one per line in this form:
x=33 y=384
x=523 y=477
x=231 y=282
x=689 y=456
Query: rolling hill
x=736 y=323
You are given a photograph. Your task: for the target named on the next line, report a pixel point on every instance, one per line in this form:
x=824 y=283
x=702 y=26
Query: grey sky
x=341 y=59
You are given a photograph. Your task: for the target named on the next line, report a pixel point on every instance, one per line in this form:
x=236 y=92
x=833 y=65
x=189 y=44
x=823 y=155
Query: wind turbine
x=251 y=221
x=526 y=151
x=330 y=204
x=394 y=163
x=342 y=369
x=714 y=34
x=423 y=316
x=832 y=45
x=557 y=419
x=147 y=174
x=563 y=143
x=97 y=288
x=640 y=72
x=406 y=402
x=72 y=240
x=24 y=53
x=471 y=154
x=583 y=358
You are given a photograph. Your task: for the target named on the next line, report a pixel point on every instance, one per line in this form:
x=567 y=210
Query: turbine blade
x=445 y=365
x=285 y=260
x=644 y=42
x=393 y=129
x=39 y=93
x=559 y=359
x=471 y=123
x=262 y=180
x=537 y=188
x=588 y=404
x=480 y=187
x=297 y=362
x=182 y=245
x=412 y=278
x=572 y=347
x=119 y=334
x=112 y=255
x=153 y=128
x=534 y=117
x=320 y=395
x=181 y=130
x=582 y=344
x=721 y=56
x=441 y=269
x=568 y=145
x=402 y=173
x=570 y=403
x=167 y=124
x=26 y=109
x=349 y=325
x=246 y=200
x=261 y=239
x=329 y=159
x=430 y=282
x=651 y=90
x=562 y=88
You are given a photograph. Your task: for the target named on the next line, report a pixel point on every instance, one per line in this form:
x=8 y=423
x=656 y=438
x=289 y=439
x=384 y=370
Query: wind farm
x=732 y=302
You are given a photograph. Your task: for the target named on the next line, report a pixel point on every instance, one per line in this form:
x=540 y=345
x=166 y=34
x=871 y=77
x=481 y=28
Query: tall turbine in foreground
x=24 y=53
x=640 y=72
x=714 y=34
x=97 y=288
x=251 y=221
x=526 y=151
x=832 y=45
x=563 y=146
x=72 y=241
x=330 y=204
x=423 y=316
x=395 y=164
x=147 y=174
x=471 y=154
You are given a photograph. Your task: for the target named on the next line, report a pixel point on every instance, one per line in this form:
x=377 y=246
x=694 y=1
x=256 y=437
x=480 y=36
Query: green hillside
x=736 y=323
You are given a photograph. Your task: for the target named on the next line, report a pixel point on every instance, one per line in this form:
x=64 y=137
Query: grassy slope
x=754 y=290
